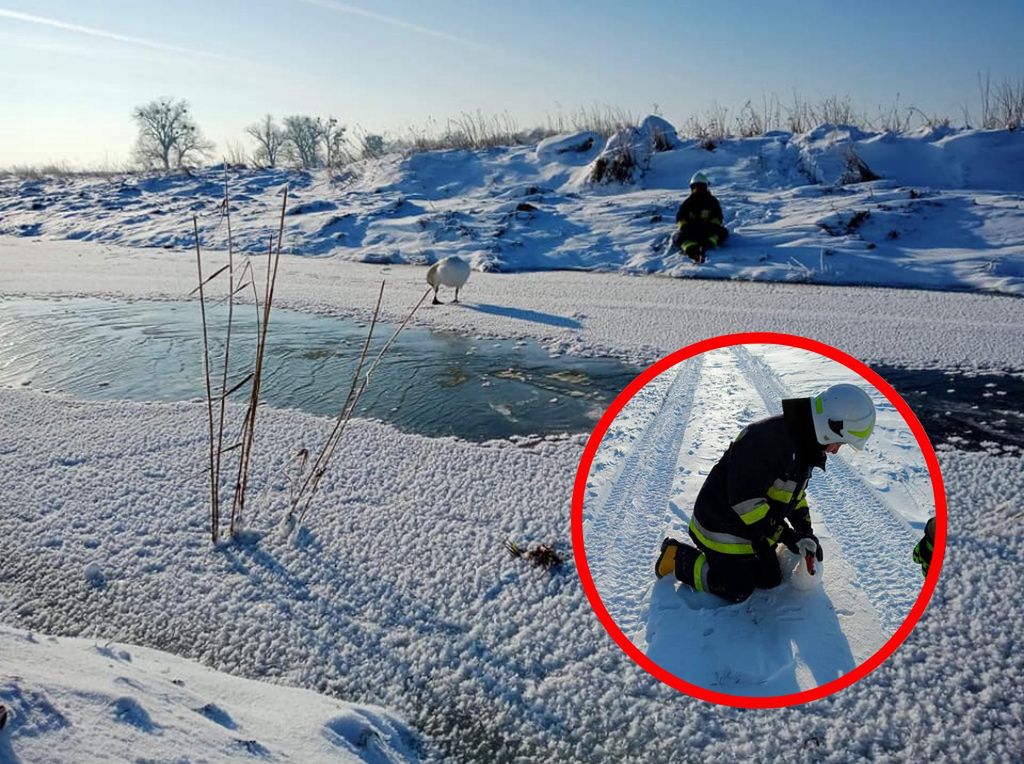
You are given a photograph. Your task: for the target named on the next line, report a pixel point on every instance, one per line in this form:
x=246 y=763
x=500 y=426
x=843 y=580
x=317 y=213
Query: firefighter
x=699 y=221
x=755 y=498
x=925 y=547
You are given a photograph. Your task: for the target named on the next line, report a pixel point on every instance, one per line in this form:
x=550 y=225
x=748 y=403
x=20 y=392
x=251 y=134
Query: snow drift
x=935 y=209
x=77 y=700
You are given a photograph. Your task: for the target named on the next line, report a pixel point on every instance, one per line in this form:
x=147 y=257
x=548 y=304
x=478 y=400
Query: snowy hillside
x=934 y=209
x=77 y=700
x=868 y=510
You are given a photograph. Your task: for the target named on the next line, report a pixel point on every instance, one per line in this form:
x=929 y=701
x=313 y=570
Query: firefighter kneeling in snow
x=699 y=221
x=754 y=498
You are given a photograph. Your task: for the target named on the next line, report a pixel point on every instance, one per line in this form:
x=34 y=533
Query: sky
x=71 y=71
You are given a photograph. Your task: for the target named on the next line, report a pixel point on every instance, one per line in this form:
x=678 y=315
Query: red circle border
x=938 y=491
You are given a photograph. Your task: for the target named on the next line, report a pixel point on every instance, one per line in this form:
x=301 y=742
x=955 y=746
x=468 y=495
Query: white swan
x=450 y=272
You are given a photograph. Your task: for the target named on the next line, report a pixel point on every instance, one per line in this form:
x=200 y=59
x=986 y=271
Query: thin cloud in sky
x=92 y=31
x=362 y=12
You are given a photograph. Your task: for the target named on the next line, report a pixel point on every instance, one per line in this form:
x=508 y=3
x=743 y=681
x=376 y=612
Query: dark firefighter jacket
x=759 y=482
x=698 y=211
x=925 y=547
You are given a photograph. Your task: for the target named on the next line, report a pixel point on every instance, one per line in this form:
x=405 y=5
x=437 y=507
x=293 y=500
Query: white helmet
x=699 y=177
x=843 y=414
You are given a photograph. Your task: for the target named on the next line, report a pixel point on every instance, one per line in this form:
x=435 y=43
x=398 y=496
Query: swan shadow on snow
x=534 y=316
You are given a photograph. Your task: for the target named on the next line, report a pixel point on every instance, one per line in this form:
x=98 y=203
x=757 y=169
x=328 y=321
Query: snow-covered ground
x=397 y=591
x=868 y=510
x=77 y=700
x=640 y=319
x=947 y=211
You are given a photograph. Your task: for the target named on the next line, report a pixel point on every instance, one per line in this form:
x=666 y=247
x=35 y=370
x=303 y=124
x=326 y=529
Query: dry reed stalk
x=249 y=426
x=296 y=497
x=331 y=444
x=339 y=421
x=224 y=393
x=214 y=492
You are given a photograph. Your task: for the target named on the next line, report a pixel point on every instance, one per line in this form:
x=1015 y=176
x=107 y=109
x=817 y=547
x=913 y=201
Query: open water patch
x=964 y=409
x=433 y=383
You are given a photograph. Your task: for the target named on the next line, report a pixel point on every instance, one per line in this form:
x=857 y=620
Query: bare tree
x=333 y=136
x=168 y=134
x=270 y=141
x=303 y=136
x=314 y=141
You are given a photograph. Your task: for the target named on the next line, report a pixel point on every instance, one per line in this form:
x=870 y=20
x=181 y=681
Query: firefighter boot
x=667 y=559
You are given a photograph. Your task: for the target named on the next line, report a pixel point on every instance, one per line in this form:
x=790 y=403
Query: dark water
x=968 y=410
x=434 y=383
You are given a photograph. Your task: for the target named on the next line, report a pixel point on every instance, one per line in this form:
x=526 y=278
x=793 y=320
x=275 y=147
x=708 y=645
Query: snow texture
x=399 y=594
x=938 y=209
x=83 y=700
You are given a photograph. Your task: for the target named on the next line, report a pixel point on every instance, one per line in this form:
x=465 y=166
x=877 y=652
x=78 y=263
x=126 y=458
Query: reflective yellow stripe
x=782 y=490
x=721 y=546
x=757 y=513
x=775 y=536
x=862 y=433
x=817 y=405
x=698 y=572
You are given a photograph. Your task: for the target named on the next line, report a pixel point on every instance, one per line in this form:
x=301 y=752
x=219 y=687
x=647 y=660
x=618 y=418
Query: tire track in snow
x=718 y=414
x=628 y=524
x=875 y=542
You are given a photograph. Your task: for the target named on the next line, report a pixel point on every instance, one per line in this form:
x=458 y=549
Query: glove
x=802 y=543
x=762 y=549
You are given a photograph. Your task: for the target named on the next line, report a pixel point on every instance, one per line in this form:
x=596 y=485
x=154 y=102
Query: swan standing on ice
x=450 y=272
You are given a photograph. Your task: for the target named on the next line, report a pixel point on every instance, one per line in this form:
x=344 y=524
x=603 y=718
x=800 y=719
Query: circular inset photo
x=758 y=520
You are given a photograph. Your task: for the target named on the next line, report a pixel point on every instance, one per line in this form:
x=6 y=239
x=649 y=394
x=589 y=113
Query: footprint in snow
x=217 y=715
x=129 y=711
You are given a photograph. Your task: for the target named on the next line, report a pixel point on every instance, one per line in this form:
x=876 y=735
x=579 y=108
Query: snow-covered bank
x=399 y=594
x=641 y=319
x=946 y=210
x=83 y=700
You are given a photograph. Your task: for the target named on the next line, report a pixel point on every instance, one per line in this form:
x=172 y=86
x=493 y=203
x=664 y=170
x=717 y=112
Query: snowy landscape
x=391 y=624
